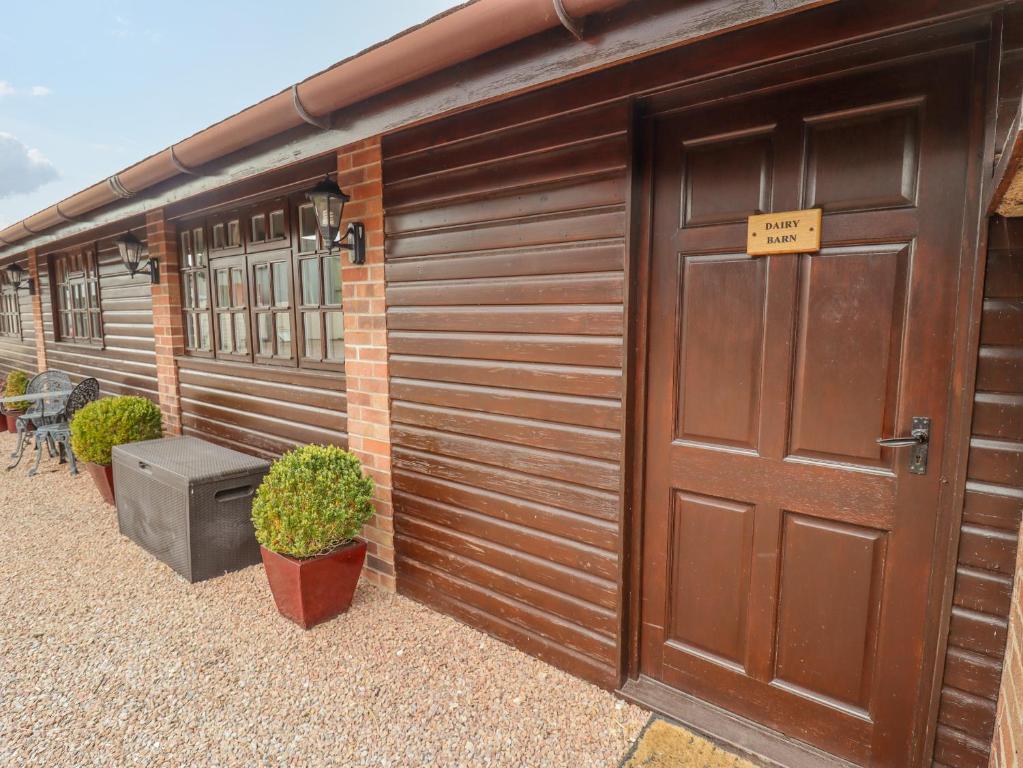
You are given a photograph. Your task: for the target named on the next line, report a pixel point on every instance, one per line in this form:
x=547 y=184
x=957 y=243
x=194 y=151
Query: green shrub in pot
x=17 y=384
x=314 y=500
x=101 y=425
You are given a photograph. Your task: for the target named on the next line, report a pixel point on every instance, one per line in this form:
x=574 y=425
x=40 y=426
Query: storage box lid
x=190 y=458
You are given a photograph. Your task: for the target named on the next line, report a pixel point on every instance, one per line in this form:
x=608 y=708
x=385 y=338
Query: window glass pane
x=218 y=236
x=335 y=336
x=258 y=228
x=234 y=234
x=264 y=339
x=77 y=295
x=202 y=294
x=281 y=284
x=186 y=249
x=94 y=322
x=237 y=287
x=223 y=289
x=224 y=332
x=241 y=332
x=262 y=272
x=188 y=300
x=312 y=336
x=283 y=323
x=190 y=331
x=204 y=332
x=65 y=325
x=332 y=280
x=94 y=294
x=81 y=325
x=310 y=273
x=306 y=229
x=199 y=243
x=276 y=225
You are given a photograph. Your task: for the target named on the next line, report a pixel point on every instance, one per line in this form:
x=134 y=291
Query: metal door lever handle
x=918 y=439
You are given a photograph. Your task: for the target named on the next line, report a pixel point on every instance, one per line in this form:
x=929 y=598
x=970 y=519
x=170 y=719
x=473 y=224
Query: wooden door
x=786 y=555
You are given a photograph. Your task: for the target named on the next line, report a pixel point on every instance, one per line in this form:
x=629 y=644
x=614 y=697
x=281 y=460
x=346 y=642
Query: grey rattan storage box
x=189 y=503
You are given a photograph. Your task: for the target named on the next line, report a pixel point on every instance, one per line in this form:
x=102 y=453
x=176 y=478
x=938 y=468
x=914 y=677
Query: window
x=270 y=294
x=320 y=314
x=195 y=294
x=76 y=288
x=271 y=282
x=10 y=308
x=231 y=305
x=268 y=227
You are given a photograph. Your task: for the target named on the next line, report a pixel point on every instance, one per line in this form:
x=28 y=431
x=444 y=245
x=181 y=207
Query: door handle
x=919 y=438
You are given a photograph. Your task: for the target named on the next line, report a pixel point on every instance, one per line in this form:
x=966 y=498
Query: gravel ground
x=108 y=658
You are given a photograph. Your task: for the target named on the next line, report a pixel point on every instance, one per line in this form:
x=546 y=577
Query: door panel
x=848 y=351
x=785 y=554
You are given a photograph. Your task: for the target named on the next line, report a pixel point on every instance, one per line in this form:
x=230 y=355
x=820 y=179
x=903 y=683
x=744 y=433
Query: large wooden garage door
x=786 y=554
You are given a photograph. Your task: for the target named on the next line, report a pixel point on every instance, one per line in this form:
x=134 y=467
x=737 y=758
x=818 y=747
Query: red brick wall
x=37 y=310
x=369 y=421
x=168 y=329
x=1007 y=747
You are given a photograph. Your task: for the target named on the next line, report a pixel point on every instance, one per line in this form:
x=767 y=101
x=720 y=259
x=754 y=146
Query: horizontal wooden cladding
x=505 y=257
x=263 y=409
x=978 y=626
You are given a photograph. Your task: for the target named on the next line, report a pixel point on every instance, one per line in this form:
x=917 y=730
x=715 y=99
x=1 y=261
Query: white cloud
x=40 y=90
x=6 y=89
x=22 y=169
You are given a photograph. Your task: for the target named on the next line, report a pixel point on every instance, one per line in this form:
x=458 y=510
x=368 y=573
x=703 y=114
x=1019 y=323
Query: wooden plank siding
x=19 y=353
x=261 y=409
x=991 y=515
x=126 y=363
x=505 y=252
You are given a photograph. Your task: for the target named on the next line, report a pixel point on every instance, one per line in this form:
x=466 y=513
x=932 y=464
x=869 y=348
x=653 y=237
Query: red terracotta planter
x=11 y=419
x=104 y=479
x=3 y=424
x=312 y=591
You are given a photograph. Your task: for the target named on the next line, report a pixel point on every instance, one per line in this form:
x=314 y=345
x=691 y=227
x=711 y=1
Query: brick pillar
x=369 y=417
x=37 y=310
x=168 y=328
x=1007 y=746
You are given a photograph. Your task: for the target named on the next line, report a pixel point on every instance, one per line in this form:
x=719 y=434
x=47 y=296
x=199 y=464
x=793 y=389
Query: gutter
x=451 y=38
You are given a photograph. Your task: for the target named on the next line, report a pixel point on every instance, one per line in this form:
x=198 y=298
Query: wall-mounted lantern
x=18 y=277
x=130 y=248
x=329 y=204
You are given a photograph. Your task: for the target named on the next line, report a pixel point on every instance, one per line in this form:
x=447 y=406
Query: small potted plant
x=102 y=424
x=307 y=512
x=17 y=384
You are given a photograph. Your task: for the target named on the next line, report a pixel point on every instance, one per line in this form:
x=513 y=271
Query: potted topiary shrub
x=307 y=512
x=17 y=384
x=102 y=424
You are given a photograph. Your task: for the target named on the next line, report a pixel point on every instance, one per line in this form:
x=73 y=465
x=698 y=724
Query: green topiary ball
x=102 y=424
x=17 y=384
x=313 y=500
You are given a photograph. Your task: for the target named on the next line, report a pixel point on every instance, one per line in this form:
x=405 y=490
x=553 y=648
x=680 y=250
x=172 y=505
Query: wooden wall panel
x=505 y=254
x=126 y=364
x=991 y=515
x=20 y=353
x=260 y=409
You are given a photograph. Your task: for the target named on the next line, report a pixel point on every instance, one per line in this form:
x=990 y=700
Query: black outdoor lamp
x=131 y=249
x=19 y=278
x=329 y=204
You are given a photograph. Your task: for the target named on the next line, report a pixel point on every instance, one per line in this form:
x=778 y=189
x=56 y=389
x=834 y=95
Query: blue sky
x=87 y=88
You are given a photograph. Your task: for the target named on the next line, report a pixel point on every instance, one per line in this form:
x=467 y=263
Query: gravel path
x=108 y=658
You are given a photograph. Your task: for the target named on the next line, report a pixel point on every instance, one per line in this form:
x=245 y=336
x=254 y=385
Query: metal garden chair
x=48 y=409
x=58 y=433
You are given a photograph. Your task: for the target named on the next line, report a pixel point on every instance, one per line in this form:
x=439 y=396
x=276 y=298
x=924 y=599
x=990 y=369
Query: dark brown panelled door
x=786 y=555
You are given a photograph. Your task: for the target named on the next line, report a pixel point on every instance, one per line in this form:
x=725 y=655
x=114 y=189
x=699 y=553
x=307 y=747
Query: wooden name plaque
x=789 y=232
